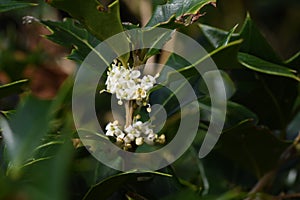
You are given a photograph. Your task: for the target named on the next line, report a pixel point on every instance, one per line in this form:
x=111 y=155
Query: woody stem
x=129 y=112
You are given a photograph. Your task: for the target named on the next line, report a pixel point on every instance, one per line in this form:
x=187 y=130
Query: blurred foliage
x=255 y=44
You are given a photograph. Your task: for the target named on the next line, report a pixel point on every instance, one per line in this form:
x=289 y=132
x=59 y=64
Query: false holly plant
x=256 y=157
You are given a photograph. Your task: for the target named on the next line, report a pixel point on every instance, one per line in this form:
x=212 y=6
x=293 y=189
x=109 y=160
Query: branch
x=267 y=179
x=288 y=196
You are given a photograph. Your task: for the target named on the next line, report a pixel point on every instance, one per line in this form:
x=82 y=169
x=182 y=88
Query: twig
x=268 y=177
x=263 y=182
x=288 y=196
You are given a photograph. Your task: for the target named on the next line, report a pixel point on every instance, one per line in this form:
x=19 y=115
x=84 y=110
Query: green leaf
x=218 y=37
x=8 y=113
x=219 y=56
x=228 y=83
x=158 y=44
x=270 y=97
x=263 y=66
x=255 y=43
x=48 y=175
x=101 y=21
x=12 y=88
x=70 y=34
x=46 y=149
x=168 y=100
x=294 y=61
x=193 y=176
x=179 y=11
x=25 y=129
x=13 y=5
x=235 y=113
x=253 y=148
x=107 y=187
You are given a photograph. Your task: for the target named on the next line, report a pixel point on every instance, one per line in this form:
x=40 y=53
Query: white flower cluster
x=139 y=132
x=127 y=84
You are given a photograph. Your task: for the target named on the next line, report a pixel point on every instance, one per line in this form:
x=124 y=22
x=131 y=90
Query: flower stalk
x=129 y=112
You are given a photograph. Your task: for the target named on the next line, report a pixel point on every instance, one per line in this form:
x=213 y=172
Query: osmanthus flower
x=128 y=84
x=138 y=133
x=113 y=129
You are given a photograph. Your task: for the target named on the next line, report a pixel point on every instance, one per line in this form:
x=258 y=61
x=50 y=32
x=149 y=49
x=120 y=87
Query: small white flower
x=161 y=139
x=150 y=138
x=29 y=19
x=139 y=132
x=139 y=141
x=127 y=140
x=112 y=129
x=149 y=108
x=135 y=74
x=127 y=84
x=120 y=102
x=147 y=82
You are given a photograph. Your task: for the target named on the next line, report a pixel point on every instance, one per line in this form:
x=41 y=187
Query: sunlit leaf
x=182 y=12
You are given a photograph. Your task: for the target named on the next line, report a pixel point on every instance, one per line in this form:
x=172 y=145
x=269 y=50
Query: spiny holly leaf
x=180 y=11
x=260 y=65
x=70 y=34
x=255 y=43
x=254 y=148
x=103 y=22
x=13 y=5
